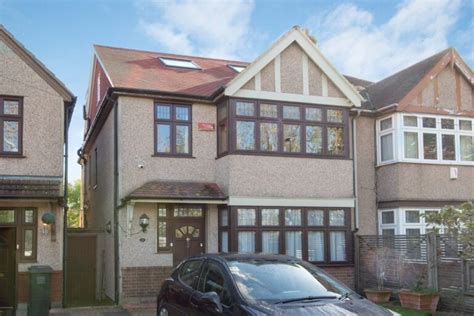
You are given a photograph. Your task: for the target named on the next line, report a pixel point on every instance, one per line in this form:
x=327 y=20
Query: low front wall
x=342 y=274
x=141 y=285
x=143 y=282
x=56 y=287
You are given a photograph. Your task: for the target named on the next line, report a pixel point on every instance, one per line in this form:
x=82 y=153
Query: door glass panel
x=28 y=243
x=7 y=216
x=28 y=218
x=224 y=242
x=187 y=211
x=195 y=233
x=180 y=232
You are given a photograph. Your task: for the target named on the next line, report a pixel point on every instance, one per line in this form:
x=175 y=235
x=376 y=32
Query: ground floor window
x=404 y=221
x=320 y=235
x=24 y=220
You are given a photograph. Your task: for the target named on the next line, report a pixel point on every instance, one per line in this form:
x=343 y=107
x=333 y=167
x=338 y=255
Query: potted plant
x=419 y=297
x=379 y=294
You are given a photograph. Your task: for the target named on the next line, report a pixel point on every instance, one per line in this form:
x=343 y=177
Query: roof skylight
x=181 y=63
x=237 y=68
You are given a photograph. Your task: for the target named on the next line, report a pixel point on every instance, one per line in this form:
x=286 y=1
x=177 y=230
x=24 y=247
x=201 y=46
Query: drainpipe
x=116 y=205
x=354 y=146
x=66 y=208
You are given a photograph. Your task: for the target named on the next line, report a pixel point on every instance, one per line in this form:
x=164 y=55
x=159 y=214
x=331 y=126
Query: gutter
x=68 y=110
x=355 y=173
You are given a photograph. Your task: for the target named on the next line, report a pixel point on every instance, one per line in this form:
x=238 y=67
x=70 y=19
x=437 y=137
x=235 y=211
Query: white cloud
x=352 y=40
x=210 y=28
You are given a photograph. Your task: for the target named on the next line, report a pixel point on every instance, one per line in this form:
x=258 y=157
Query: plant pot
x=378 y=295
x=420 y=301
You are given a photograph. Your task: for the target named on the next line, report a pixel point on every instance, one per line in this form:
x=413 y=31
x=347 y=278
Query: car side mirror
x=212 y=299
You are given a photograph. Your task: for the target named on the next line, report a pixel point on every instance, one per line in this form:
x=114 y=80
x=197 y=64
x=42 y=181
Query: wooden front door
x=188 y=240
x=7 y=268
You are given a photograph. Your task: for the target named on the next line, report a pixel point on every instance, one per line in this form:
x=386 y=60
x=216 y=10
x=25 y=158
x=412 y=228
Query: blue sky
x=369 y=39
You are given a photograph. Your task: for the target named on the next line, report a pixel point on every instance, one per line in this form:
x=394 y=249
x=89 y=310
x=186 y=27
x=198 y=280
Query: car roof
x=225 y=257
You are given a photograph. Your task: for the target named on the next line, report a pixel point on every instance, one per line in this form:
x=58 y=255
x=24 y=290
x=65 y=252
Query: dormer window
x=180 y=63
x=237 y=68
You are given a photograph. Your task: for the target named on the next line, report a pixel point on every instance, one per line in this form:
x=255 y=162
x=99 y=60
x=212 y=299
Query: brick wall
x=143 y=281
x=56 y=287
x=343 y=274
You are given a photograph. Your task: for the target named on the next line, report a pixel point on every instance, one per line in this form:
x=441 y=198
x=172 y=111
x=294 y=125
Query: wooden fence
x=403 y=261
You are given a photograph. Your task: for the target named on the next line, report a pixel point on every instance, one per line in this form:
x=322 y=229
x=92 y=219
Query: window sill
x=285 y=155
x=432 y=163
x=17 y=156
x=173 y=156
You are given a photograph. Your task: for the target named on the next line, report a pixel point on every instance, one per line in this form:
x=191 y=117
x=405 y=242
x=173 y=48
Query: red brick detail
x=343 y=274
x=143 y=281
x=56 y=286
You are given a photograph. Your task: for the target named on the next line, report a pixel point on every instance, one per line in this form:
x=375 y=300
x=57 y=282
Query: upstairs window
x=173 y=129
x=180 y=63
x=425 y=139
x=11 y=126
x=263 y=127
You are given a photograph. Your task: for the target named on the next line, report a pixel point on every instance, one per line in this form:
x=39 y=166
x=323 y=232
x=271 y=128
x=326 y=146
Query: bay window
x=319 y=235
x=425 y=139
x=277 y=128
x=11 y=126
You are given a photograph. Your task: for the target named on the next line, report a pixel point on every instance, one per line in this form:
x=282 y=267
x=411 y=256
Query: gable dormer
x=294 y=70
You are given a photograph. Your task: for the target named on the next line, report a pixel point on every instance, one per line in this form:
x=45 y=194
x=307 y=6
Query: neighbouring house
x=35 y=111
x=217 y=155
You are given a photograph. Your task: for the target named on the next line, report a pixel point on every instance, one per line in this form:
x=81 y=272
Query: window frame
x=398 y=129
x=11 y=117
x=280 y=121
x=173 y=123
x=400 y=223
x=233 y=229
x=21 y=226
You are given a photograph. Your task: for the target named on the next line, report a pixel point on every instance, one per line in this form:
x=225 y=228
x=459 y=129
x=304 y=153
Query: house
x=35 y=111
x=418 y=125
x=186 y=154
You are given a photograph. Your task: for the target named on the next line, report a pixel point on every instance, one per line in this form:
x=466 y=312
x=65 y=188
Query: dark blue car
x=255 y=284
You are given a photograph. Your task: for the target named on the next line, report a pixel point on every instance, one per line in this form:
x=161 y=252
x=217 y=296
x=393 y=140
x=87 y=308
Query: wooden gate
x=81 y=269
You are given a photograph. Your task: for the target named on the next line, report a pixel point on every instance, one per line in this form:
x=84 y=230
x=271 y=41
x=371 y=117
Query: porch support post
x=130 y=209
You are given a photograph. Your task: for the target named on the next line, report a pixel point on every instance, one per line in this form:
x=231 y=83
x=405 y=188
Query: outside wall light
x=48 y=219
x=144 y=222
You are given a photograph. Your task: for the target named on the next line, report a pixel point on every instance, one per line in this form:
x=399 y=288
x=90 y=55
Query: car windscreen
x=276 y=281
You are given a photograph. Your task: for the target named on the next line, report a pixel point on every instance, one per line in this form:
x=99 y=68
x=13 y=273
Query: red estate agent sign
x=206 y=127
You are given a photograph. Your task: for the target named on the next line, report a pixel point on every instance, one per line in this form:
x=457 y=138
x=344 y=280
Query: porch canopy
x=30 y=188
x=178 y=192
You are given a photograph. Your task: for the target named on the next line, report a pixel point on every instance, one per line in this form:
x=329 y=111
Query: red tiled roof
x=177 y=190
x=135 y=69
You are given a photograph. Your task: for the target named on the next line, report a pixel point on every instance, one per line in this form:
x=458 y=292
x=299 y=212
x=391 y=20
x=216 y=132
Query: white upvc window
x=404 y=221
x=420 y=138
